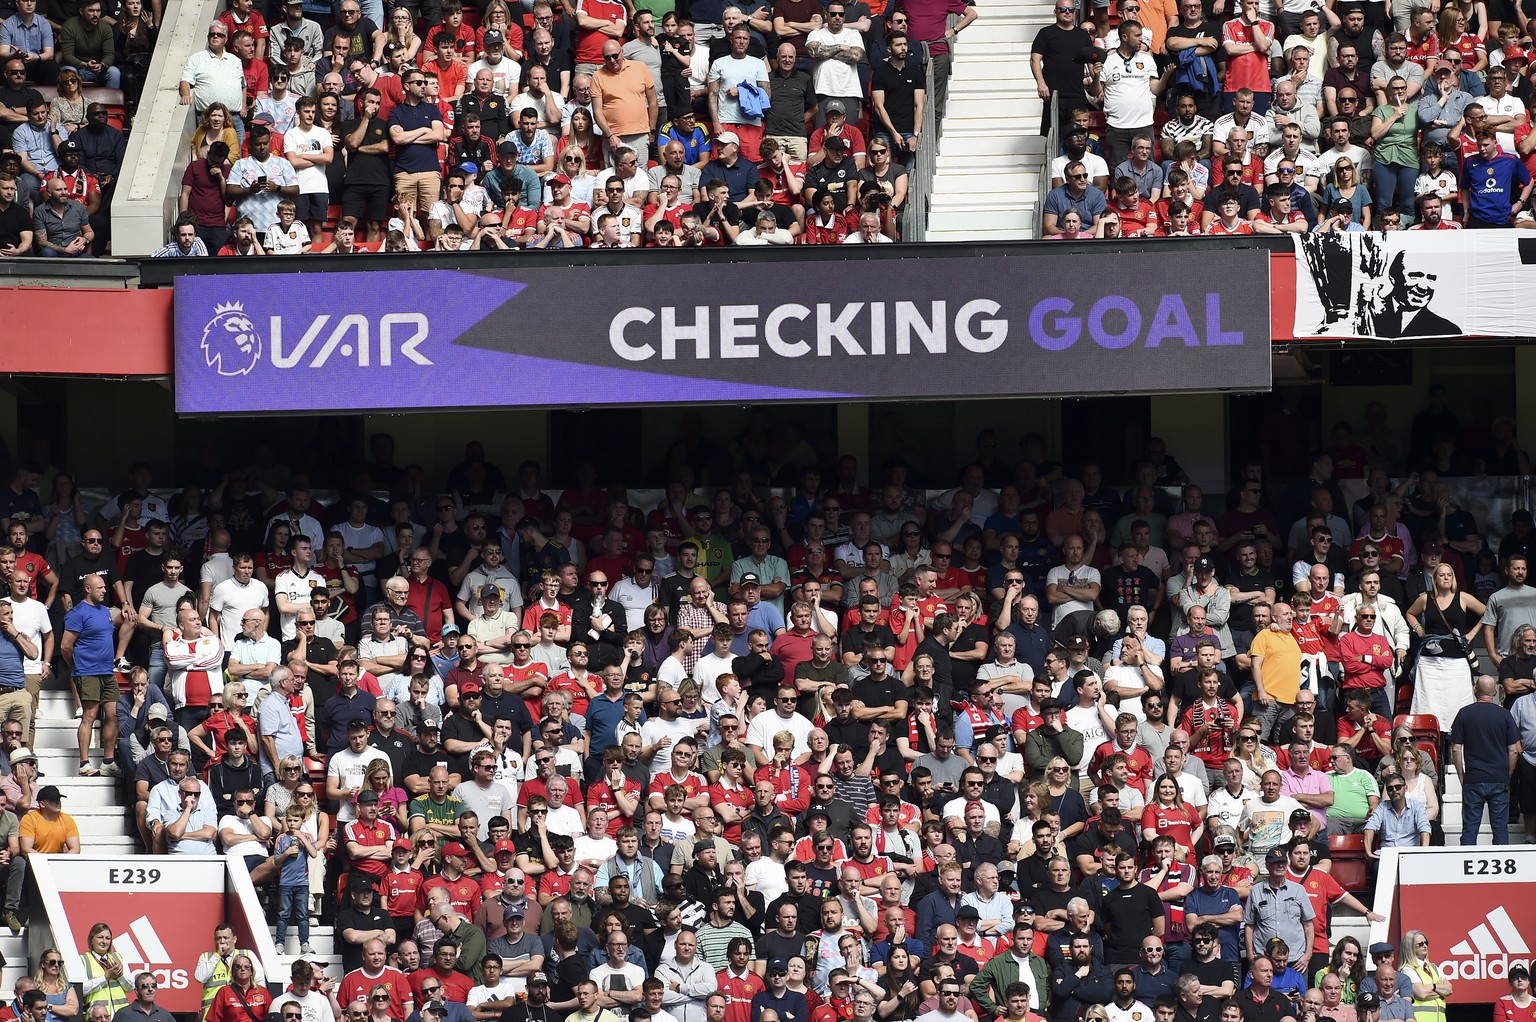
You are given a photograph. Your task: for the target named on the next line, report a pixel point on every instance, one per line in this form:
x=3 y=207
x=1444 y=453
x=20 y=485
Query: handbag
x=1453 y=643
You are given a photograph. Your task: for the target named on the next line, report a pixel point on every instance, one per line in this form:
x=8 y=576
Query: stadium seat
x=1350 y=866
x=1423 y=725
x=1433 y=749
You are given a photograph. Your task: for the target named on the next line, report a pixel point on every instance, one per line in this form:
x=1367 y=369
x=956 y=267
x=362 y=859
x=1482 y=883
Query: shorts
x=366 y=202
x=313 y=206
x=97 y=688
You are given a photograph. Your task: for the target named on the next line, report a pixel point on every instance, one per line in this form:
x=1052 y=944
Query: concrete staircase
x=106 y=828
x=991 y=155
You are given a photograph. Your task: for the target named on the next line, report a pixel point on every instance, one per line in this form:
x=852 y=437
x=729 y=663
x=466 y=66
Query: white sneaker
x=306 y=949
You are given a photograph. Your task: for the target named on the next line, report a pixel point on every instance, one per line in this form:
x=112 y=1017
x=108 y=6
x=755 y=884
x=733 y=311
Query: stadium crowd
x=1183 y=119
x=1033 y=746
x=535 y=125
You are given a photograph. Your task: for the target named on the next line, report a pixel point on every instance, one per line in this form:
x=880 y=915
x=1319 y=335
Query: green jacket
x=987 y=986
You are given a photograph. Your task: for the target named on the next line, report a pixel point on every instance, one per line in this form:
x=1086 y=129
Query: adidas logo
x=142 y=950
x=1489 y=950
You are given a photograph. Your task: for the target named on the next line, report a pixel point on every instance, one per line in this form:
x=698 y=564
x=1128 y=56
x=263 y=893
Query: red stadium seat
x=1423 y=725
x=1350 y=866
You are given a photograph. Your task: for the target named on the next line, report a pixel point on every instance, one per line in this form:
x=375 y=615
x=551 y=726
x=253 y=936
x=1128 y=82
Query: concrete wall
x=146 y=198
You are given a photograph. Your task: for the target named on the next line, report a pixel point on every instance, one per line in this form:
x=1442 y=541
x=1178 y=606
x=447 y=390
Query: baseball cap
x=470 y=167
x=470 y=686
x=508 y=148
x=388 y=47
x=494 y=38
x=1301 y=815
x=489 y=591
x=49 y=793
x=750 y=579
x=835 y=143
x=402 y=844
x=456 y=848
x=1224 y=840
x=1366 y=999
x=538 y=977
x=1046 y=705
x=1515 y=53
x=69 y=145
x=505 y=846
x=778 y=965
x=159 y=711
x=1077 y=642
x=834 y=106
x=1519 y=972
x=1204 y=564
x=968 y=912
x=450 y=629
x=513 y=910
x=360 y=881
x=1275 y=858
x=727 y=136
x=560 y=179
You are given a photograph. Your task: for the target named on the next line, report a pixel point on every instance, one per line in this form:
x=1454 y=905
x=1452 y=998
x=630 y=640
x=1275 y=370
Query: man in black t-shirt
x=1129 y=584
x=897 y=94
x=1129 y=914
x=1218 y=977
x=1056 y=62
x=366 y=194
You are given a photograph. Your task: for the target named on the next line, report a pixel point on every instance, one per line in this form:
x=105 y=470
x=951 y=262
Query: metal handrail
x=1052 y=147
x=925 y=161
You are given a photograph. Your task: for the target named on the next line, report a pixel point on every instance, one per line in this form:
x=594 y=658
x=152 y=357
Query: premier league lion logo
x=231 y=345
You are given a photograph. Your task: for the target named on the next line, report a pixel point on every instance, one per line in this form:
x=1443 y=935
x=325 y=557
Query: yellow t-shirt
x=1282 y=664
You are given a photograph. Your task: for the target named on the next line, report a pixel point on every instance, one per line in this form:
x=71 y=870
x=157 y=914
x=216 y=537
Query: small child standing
x=294 y=849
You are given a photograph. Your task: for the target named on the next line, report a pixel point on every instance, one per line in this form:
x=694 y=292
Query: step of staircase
x=987 y=110
x=1005 y=184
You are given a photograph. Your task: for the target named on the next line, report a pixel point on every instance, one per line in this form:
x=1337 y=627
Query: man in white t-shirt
x=292 y=588
x=347 y=772
x=233 y=597
x=1071 y=586
x=310 y=150
x=31 y=620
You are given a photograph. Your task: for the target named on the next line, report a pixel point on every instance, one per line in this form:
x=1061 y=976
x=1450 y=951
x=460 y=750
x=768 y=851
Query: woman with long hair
x=1454 y=30
x=63 y=1003
x=134 y=35
x=66 y=519
x=392 y=797
x=1168 y=814
x=1427 y=987
x=216 y=125
x=581 y=132
x=1344 y=183
x=901 y=982
x=1062 y=797
x=1251 y=753
x=67 y=109
x=1347 y=963
x=1445 y=618
x=274 y=560
x=401 y=29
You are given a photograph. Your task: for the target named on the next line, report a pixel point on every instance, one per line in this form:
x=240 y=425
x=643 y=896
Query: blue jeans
x=1476 y=795
x=157 y=667
x=111 y=78
x=1394 y=186
x=292 y=899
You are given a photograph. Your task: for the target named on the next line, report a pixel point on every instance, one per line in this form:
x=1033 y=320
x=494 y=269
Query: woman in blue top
x=1345 y=184
x=63 y=1002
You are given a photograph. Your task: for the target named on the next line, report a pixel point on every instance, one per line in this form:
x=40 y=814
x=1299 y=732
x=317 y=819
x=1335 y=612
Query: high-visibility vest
x=1426 y=1009
x=114 y=993
x=219 y=974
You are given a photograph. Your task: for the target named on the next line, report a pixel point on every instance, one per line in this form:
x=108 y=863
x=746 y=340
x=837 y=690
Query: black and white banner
x=1410 y=284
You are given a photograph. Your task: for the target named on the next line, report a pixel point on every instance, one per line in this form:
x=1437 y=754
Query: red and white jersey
x=1506 y=1010
x=194 y=669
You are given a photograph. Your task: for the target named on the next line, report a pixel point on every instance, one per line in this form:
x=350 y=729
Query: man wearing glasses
x=1396 y=822
x=141 y=1009
x=624 y=103
x=415 y=128
x=214 y=75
